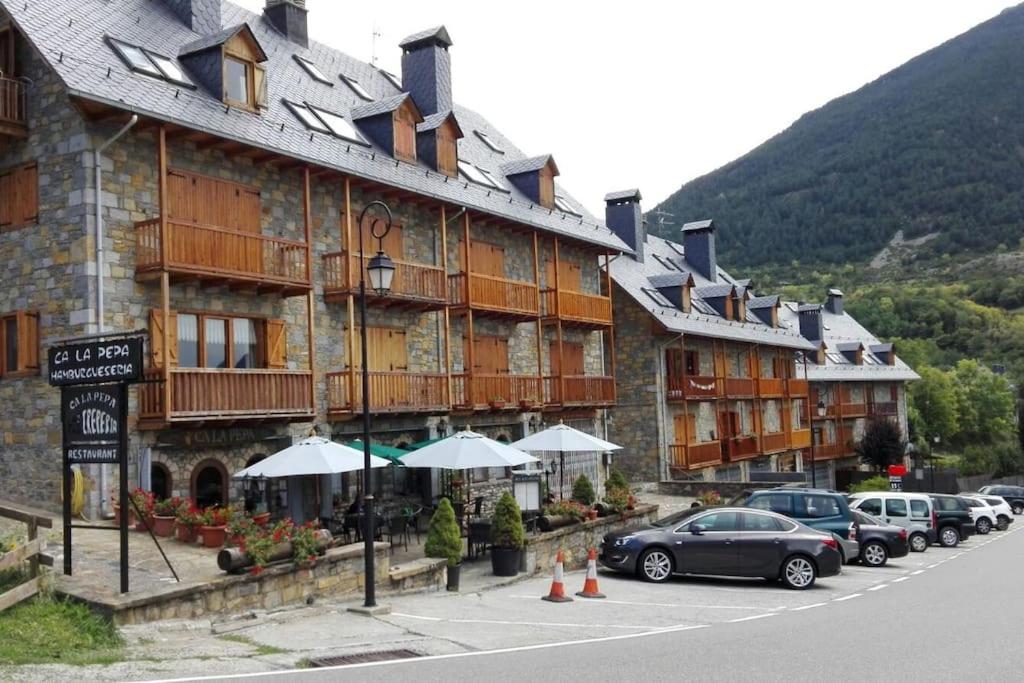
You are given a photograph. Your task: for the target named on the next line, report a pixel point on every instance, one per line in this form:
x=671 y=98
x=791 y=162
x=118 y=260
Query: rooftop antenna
x=376 y=34
x=662 y=223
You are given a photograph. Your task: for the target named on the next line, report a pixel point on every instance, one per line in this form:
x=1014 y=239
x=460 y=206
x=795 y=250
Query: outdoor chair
x=479 y=537
x=397 y=531
x=478 y=505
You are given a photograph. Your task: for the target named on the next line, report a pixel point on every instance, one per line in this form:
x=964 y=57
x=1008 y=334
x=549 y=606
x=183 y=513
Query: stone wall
x=576 y=539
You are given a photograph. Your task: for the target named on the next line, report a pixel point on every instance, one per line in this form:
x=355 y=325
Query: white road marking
x=801 y=609
x=498 y=622
x=919 y=571
x=902 y=578
x=756 y=616
x=879 y=587
x=653 y=604
x=933 y=566
x=847 y=597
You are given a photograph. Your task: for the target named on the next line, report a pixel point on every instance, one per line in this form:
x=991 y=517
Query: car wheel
x=1018 y=508
x=1003 y=523
x=798 y=573
x=656 y=565
x=983 y=526
x=949 y=537
x=874 y=554
x=918 y=543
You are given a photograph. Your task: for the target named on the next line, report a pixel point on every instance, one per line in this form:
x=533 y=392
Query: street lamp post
x=936 y=440
x=814 y=443
x=380 y=270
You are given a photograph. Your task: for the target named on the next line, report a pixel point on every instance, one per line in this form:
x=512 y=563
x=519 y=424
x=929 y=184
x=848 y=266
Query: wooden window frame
x=28 y=220
x=201 y=318
x=27 y=341
x=250 y=81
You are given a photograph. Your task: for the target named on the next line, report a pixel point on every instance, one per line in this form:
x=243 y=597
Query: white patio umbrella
x=315 y=455
x=564 y=439
x=465 y=450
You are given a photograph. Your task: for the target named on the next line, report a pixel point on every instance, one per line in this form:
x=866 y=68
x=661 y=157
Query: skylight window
x=338 y=125
x=489 y=142
x=495 y=180
x=703 y=307
x=392 y=78
x=357 y=88
x=664 y=262
x=314 y=71
x=836 y=358
x=657 y=297
x=477 y=175
x=565 y=206
x=135 y=57
x=170 y=69
x=675 y=247
x=308 y=118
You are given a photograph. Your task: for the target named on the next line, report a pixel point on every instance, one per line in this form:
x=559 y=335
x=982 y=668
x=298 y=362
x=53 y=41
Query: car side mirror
x=697 y=529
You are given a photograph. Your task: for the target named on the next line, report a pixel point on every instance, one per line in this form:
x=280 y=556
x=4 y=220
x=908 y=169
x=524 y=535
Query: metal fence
x=975 y=482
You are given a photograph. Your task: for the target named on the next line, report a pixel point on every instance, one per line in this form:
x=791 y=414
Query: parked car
x=984 y=516
x=912 y=511
x=724 y=541
x=817 y=508
x=1014 y=495
x=879 y=541
x=953 y=517
x=1004 y=513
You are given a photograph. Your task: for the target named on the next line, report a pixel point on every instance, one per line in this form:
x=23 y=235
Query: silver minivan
x=912 y=511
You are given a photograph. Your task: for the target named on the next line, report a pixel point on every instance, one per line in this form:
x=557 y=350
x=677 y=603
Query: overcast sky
x=649 y=94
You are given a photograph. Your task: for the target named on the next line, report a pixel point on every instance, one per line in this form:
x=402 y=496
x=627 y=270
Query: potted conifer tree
x=445 y=541
x=507 y=536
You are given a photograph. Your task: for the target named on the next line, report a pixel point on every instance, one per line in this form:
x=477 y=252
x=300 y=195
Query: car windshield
x=678 y=517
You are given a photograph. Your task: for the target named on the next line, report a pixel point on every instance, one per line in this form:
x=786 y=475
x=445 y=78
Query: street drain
x=383 y=656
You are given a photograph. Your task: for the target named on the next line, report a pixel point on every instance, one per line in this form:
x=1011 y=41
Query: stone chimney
x=812 y=327
x=427 y=70
x=202 y=16
x=834 y=304
x=289 y=17
x=622 y=215
x=699 y=248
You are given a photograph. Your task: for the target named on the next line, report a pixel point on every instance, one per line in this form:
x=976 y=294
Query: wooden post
x=558 y=325
x=161 y=165
x=347 y=260
x=468 y=259
x=445 y=312
x=611 y=326
x=311 y=295
x=540 y=319
x=470 y=351
x=165 y=298
x=33 y=563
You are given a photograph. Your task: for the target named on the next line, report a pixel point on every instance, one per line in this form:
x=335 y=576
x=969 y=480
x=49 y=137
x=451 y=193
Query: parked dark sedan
x=724 y=541
x=879 y=541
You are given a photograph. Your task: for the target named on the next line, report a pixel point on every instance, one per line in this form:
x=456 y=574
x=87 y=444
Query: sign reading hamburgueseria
x=97 y=362
x=91 y=414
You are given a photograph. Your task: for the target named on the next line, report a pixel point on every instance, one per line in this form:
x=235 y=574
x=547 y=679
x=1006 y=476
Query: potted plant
x=187 y=521
x=142 y=503
x=507 y=536
x=561 y=513
x=445 y=541
x=213 y=526
x=709 y=498
x=239 y=526
x=583 y=491
x=115 y=503
x=165 y=512
x=305 y=546
x=497 y=402
x=261 y=519
x=616 y=496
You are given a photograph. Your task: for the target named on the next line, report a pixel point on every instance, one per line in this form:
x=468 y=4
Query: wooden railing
x=689 y=386
x=833 y=450
x=800 y=438
x=414 y=281
x=797 y=387
x=742 y=447
x=215 y=394
x=739 y=386
x=30 y=553
x=579 y=390
x=854 y=409
x=391 y=392
x=886 y=408
x=476 y=390
x=770 y=443
x=493 y=293
x=696 y=454
x=577 y=306
x=221 y=252
x=770 y=386
x=12 y=102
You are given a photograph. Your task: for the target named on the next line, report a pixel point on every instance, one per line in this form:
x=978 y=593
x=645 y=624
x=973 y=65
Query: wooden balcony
x=216 y=256
x=742 y=448
x=800 y=438
x=13 y=109
x=771 y=387
x=833 y=450
x=739 y=387
x=390 y=392
x=854 y=409
x=773 y=443
x=478 y=391
x=415 y=285
x=576 y=308
x=494 y=297
x=691 y=387
x=696 y=455
x=831 y=412
x=887 y=408
x=797 y=387
x=580 y=391
x=208 y=395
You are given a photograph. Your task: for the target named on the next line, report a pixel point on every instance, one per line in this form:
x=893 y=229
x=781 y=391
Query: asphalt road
x=936 y=616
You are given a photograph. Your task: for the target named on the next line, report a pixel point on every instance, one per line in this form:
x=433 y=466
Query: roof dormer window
x=237 y=81
x=229 y=64
x=356 y=87
x=314 y=71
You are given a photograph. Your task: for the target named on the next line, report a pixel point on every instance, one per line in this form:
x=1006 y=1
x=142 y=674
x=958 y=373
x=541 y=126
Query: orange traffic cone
x=557 y=593
x=590 y=585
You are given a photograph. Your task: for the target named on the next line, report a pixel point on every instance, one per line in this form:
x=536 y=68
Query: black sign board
x=92 y=453
x=91 y=415
x=96 y=362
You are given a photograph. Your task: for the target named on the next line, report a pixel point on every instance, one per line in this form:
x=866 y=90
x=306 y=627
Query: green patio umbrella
x=380 y=450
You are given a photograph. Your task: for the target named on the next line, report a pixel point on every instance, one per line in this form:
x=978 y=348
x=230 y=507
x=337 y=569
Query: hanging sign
x=91 y=414
x=96 y=362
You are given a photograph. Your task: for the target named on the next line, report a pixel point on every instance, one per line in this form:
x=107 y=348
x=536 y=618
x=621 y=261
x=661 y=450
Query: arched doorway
x=210 y=484
x=262 y=495
x=160 y=480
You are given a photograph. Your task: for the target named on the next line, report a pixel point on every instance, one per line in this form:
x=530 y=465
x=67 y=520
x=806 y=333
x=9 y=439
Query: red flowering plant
x=566 y=508
x=168 y=507
x=143 y=501
x=305 y=543
x=188 y=515
x=257 y=544
x=214 y=516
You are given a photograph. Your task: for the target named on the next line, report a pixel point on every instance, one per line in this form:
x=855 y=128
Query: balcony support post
x=467 y=260
x=611 y=325
x=558 y=322
x=447 y=315
x=310 y=297
x=540 y=325
x=347 y=261
x=161 y=166
x=165 y=299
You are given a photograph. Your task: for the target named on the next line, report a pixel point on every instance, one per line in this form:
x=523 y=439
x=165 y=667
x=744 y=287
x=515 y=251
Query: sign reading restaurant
x=97 y=362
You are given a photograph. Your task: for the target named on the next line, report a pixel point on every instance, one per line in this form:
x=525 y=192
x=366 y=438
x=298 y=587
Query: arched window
x=210 y=484
x=160 y=480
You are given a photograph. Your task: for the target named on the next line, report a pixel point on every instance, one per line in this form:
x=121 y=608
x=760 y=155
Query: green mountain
x=934 y=148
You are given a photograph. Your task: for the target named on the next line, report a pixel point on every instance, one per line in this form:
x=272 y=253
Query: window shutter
x=28 y=341
x=260 y=85
x=277 y=344
x=156 y=338
x=28 y=194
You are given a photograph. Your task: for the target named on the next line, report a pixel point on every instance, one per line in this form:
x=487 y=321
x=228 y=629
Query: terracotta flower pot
x=186 y=534
x=261 y=519
x=591 y=514
x=213 y=536
x=141 y=525
x=163 y=525
x=117 y=516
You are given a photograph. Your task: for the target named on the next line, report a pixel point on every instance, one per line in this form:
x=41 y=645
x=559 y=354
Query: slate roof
x=848 y=346
x=763 y=301
x=698 y=225
x=676 y=279
x=434 y=120
x=527 y=165
x=437 y=34
x=214 y=40
x=633 y=277
x=715 y=291
x=623 y=195
x=840 y=331
x=378 y=107
x=69 y=34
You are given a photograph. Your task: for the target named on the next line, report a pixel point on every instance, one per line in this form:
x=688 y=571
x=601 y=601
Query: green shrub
x=583 y=490
x=873 y=484
x=616 y=481
x=443 y=538
x=507 y=524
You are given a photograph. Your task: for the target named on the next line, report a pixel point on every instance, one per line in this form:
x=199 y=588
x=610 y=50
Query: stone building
x=241 y=155
x=713 y=379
